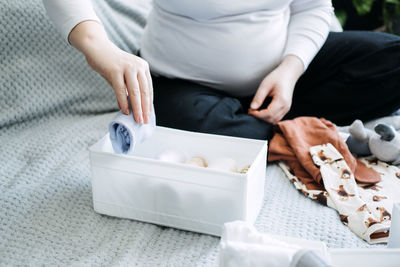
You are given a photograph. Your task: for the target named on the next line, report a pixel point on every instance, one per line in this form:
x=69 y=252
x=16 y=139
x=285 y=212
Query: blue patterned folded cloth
x=125 y=132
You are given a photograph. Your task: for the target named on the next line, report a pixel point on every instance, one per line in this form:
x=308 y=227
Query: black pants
x=355 y=75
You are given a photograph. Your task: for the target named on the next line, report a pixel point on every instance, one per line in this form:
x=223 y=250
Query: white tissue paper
x=172 y=155
x=224 y=163
x=242 y=245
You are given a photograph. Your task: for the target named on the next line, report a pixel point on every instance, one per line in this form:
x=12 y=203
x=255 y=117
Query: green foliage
x=391 y=16
x=390 y=12
x=363 y=6
x=396 y=2
x=341 y=15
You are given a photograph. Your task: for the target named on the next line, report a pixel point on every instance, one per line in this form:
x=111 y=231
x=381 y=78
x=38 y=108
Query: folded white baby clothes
x=125 y=132
x=242 y=245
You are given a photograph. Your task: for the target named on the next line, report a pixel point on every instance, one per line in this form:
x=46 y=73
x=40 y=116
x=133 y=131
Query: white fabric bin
x=137 y=186
x=367 y=257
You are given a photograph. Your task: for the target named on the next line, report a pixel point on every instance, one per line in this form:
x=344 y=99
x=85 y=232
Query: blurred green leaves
x=363 y=6
x=389 y=15
x=341 y=15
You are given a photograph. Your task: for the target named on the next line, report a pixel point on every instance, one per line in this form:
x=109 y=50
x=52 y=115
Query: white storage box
x=367 y=257
x=137 y=186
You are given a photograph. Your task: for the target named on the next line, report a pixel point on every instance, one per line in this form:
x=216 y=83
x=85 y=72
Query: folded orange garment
x=293 y=139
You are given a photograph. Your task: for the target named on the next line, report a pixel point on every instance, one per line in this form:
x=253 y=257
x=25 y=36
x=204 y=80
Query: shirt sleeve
x=308 y=28
x=66 y=14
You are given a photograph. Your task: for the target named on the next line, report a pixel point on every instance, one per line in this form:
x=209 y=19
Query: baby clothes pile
x=317 y=161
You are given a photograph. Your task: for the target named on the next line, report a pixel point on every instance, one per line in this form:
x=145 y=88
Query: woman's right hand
x=128 y=75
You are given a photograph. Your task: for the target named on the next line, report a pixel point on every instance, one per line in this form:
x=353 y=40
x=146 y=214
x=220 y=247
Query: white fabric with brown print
x=364 y=208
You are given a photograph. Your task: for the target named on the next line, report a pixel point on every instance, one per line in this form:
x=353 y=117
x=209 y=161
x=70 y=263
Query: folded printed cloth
x=125 y=132
x=293 y=139
x=242 y=245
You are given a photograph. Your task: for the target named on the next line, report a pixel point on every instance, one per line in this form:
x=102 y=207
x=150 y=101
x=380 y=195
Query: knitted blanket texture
x=52 y=108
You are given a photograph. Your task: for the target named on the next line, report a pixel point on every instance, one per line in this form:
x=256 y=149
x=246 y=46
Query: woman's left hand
x=279 y=84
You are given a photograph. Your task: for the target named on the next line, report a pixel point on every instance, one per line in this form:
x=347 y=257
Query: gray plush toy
x=384 y=143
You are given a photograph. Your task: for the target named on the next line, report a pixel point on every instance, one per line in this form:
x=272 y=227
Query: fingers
x=134 y=95
x=140 y=90
x=150 y=83
x=118 y=84
x=263 y=90
x=144 y=96
x=281 y=93
x=275 y=111
x=130 y=77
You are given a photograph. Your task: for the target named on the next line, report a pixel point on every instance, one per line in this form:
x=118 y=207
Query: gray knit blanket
x=52 y=108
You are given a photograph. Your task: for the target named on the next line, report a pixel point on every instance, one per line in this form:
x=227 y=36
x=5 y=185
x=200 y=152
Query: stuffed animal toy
x=384 y=143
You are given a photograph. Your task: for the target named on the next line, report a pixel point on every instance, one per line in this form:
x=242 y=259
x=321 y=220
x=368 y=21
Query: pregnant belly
x=229 y=54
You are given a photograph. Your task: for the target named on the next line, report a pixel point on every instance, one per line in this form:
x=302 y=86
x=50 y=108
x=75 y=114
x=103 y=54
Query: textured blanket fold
x=293 y=139
x=125 y=132
x=63 y=107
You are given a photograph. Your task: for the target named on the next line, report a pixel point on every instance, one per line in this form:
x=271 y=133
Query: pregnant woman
x=238 y=67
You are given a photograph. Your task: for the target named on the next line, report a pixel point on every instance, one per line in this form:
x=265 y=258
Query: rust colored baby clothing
x=293 y=139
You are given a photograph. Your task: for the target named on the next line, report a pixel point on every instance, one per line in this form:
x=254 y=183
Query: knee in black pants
x=193 y=107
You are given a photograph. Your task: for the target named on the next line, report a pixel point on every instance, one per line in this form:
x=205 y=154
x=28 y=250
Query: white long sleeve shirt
x=230 y=45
